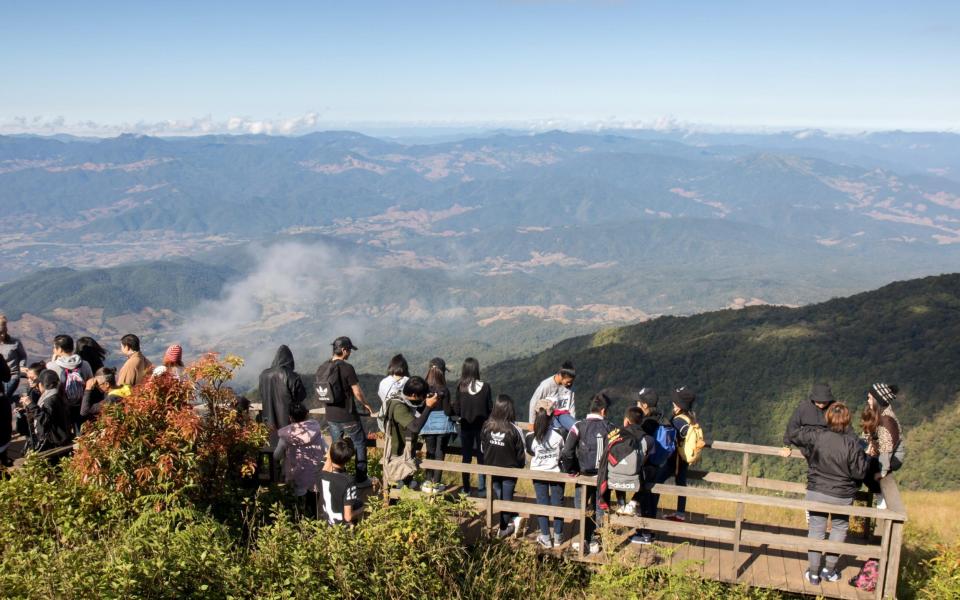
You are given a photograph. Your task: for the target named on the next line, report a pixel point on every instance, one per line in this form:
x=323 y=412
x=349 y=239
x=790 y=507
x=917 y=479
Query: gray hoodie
x=62 y=363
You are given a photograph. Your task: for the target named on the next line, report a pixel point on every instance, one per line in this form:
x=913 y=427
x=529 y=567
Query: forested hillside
x=752 y=366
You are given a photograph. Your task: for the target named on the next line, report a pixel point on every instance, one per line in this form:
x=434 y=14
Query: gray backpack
x=626 y=474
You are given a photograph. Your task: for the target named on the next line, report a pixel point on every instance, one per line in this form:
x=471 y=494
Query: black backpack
x=329 y=387
x=592 y=443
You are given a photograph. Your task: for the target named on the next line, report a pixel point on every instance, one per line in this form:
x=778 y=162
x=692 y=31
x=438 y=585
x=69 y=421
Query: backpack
x=394 y=393
x=592 y=443
x=693 y=443
x=73 y=386
x=665 y=444
x=329 y=388
x=625 y=473
x=868 y=576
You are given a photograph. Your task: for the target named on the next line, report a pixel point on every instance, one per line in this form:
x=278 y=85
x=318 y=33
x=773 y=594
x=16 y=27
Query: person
x=51 y=425
x=339 y=499
x=501 y=442
x=836 y=465
x=12 y=353
x=280 y=388
x=135 y=369
x=475 y=400
x=303 y=451
x=6 y=416
x=100 y=390
x=625 y=468
x=173 y=363
x=582 y=452
x=343 y=414
x=558 y=388
x=809 y=413
x=73 y=373
x=439 y=427
x=405 y=416
x=544 y=444
x=29 y=396
x=682 y=419
x=647 y=401
x=92 y=352
x=398 y=372
x=882 y=436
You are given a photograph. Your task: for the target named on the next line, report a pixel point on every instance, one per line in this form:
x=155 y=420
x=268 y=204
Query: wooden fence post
x=884 y=555
x=583 y=519
x=893 y=562
x=744 y=486
x=488 y=505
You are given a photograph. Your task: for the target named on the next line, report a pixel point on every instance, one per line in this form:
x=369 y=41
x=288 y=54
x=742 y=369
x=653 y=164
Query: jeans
x=503 y=490
x=470 y=449
x=591 y=503
x=354 y=431
x=436 y=446
x=818 y=529
x=674 y=467
x=564 y=421
x=549 y=494
x=11 y=386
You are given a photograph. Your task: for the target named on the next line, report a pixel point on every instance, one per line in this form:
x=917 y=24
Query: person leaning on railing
x=837 y=464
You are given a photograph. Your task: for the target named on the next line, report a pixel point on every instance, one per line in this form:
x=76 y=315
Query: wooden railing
x=890 y=520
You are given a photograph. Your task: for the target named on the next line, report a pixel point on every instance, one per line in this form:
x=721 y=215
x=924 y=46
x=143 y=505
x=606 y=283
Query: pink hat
x=173 y=355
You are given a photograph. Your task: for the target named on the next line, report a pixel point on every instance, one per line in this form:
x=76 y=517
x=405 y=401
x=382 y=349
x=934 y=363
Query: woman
x=502 y=444
x=100 y=390
x=301 y=447
x=439 y=427
x=544 y=444
x=882 y=435
x=172 y=363
x=92 y=352
x=397 y=374
x=474 y=398
x=836 y=465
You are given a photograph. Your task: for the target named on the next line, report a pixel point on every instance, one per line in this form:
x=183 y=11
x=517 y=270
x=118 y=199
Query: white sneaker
x=882 y=504
x=592 y=547
x=519 y=526
x=630 y=509
x=427 y=487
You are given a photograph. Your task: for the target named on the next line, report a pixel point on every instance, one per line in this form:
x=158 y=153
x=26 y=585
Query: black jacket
x=474 y=408
x=503 y=448
x=280 y=386
x=51 y=427
x=807 y=414
x=836 y=461
x=585 y=445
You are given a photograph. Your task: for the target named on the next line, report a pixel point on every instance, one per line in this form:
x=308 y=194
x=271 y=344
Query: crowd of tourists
x=657 y=439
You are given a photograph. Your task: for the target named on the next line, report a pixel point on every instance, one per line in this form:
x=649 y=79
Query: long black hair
x=90 y=351
x=503 y=416
x=436 y=378
x=469 y=373
x=398 y=367
x=542 y=425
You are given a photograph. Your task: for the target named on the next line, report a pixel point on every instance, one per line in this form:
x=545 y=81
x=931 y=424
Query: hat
x=684 y=397
x=821 y=394
x=173 y=355
x=648 y=396
x=546 y=404
x=884 y=393
x=439 y=363
x=343 y=343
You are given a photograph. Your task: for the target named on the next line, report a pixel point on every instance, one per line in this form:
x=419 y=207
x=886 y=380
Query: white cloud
x=171 y=127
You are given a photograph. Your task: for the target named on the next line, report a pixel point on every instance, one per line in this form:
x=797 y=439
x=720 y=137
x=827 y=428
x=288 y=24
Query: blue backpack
x=665 y=446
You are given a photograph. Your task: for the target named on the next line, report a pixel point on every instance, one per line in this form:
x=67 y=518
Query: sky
x=292 y=67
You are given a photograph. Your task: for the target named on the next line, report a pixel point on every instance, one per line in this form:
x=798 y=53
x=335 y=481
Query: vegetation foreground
x=158 y=502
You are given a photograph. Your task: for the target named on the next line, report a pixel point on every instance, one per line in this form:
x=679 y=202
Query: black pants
x=470 y=449
x=436 y=446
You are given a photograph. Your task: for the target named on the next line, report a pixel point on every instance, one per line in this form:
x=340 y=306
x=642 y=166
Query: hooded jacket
x=303 y=450
x=807 y=414
x=280 y=386
x=836 y=461
x=63 y=363
x=50 y=425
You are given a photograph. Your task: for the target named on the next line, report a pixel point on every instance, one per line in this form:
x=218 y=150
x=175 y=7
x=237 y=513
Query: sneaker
x=630 y=509
x=557 y=540
x=831 y=576
x=882 y=505
x=544 y=541
x=644 y=537
x=811 y=578
x=676 y=517
x=426 y=487
x=439 y=488
x=594 y=548
x=506 y=532
x=519 y=525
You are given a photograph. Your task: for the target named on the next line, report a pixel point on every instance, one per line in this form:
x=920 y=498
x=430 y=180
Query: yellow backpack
x=693 y=443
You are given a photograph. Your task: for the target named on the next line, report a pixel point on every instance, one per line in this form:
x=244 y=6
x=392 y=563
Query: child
x=338 y=489
x=683 y=418
x=544 y=444
x=582 y=453
x=501 y=442
x=623 y=471
x=439 y=428
x=301 y=447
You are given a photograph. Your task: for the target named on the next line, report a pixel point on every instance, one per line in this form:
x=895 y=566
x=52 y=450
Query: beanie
x=173 y=355
x=683 y=397
x=884 y=393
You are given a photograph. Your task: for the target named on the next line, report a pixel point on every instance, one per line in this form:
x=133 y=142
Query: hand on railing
x=785 y=451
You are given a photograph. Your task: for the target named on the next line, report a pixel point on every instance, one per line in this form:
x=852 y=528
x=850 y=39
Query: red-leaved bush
x=172 y=439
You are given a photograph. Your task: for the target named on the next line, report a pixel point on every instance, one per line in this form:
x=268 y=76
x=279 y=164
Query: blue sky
x=839 y=65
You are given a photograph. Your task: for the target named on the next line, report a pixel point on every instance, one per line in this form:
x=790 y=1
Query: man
x=280 y=386
x=343 y=415
x=12 y=352
x=583 y=450
x=810 y=413
x=136 y=368
x=558 y=388
x=73 y=373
